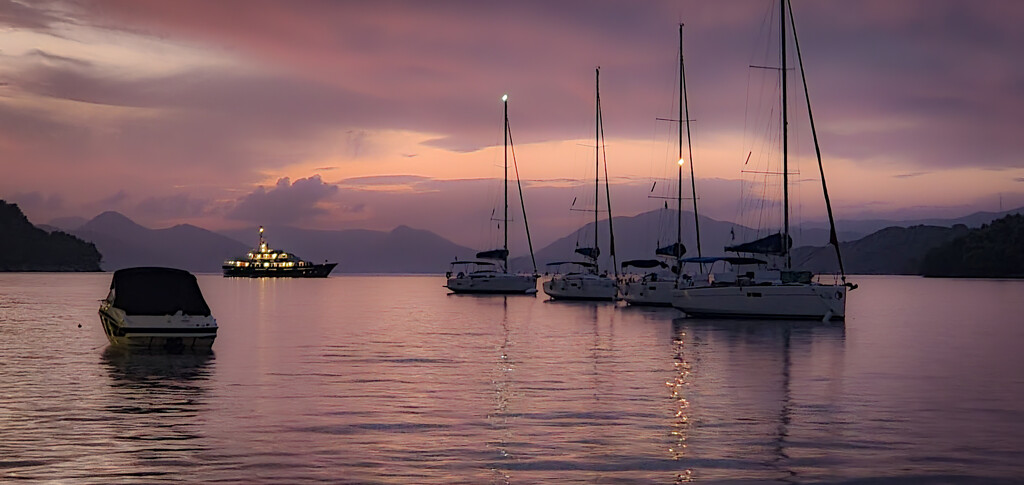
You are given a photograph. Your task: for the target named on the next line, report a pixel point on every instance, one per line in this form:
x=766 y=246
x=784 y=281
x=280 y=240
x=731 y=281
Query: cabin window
x=754 y=295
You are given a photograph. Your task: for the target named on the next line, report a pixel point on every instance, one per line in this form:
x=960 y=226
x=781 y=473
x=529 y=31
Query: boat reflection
x=156 y=410
x=748 y=366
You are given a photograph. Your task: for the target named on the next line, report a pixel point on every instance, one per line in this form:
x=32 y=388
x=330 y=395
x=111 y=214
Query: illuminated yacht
x=489 y=272
x=586 y=281
x=157 y=308
x=266 y=262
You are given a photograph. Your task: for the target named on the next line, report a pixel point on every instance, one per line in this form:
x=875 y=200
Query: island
x=25 y=247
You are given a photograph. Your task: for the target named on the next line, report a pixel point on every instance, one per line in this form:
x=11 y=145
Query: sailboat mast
x=597 y=153
x=679 y=185
x=785 y=135
x=684 y=104
x=504 y=101
x=833 y=237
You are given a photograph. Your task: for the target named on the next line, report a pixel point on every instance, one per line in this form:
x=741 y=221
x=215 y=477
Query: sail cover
x=157 y=291
x=676 y=250
x=501 y=254
x=591 y=253
x=766 y=245
x=644 y=263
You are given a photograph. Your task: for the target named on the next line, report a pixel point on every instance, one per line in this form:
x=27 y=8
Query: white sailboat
x=489 y=273
x=655 y=287
x=586 y=281
x=773 y=292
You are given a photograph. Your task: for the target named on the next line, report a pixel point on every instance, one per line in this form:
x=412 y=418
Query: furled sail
x=501 y=254
x=591 y=253
x=676 y=250
x=766 y=245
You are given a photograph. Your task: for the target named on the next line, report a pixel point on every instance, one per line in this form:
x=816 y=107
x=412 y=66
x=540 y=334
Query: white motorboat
x=587 y=282
x=156 y=308
x=778 y=291
x=654 y=288
x=489 y=274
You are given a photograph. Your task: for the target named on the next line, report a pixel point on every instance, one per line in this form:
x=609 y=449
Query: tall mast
x=607 y=191
x=785 y=136
x=597 y=153
x=679 y=185
x=833 y=237
x=504 y=101
x=685 y=118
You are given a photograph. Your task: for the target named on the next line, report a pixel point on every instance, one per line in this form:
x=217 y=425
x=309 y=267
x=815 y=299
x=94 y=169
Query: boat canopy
x=676 y=250
x=591 y=253
x=644 y=263
x=157 y=291
x=501 y=254
x=581 y=263
x=766 y=245
x=470 y=261
x=728 y=259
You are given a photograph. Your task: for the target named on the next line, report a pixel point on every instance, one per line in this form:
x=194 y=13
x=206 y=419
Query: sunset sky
x=372 y=114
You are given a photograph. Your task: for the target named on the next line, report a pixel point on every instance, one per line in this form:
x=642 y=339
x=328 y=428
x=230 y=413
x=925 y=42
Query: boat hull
x=493 y=284
x=788 y=301
x=595 y=288
x=254 y=271
x=157 y=331
x=647 y=293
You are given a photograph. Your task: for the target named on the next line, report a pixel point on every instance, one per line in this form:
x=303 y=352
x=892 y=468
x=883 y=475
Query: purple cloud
x=286 y=202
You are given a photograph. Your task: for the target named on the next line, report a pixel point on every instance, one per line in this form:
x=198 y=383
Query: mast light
x=504 y=97
x=682 y=162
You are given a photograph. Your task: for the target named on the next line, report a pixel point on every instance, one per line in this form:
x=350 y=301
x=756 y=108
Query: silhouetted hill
x=125 y=243
x=893 y=250
x=401 y=250
x=995 y=250
x=24 y=247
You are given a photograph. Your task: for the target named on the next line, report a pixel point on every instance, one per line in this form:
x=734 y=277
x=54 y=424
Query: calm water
x=391 y=380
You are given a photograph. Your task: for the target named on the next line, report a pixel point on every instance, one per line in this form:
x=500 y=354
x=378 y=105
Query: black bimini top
x=158 y=291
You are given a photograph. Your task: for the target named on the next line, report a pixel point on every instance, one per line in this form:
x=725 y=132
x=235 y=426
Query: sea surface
x=389 y=379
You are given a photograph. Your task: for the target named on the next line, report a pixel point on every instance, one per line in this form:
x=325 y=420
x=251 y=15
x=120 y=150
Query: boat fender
x=839 y=295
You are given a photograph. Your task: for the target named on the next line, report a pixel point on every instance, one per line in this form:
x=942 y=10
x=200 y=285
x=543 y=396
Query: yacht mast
x=833 y=237
x=504 y=101
x=685 y=118
x=607 y=190
x=785 y=136
x=597 y=155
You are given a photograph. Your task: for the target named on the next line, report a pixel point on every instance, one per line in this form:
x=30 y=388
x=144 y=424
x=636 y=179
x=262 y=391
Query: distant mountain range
x=401 y=250
x=893 y=250
x=123 y=243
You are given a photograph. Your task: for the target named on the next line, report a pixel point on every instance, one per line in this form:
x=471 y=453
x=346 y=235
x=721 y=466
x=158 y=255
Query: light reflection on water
x=390 y=380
